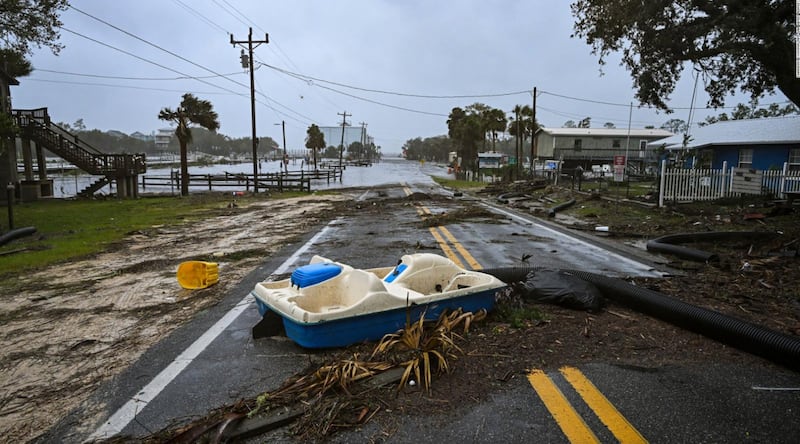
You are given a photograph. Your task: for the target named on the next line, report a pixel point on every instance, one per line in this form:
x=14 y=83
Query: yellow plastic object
x=197 y=274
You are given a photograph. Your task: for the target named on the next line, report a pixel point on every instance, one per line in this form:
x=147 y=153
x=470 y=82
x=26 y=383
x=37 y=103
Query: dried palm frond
x=425 y=351
x=340 y=374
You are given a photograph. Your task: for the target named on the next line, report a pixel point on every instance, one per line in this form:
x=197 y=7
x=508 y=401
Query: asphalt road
x=213 y=361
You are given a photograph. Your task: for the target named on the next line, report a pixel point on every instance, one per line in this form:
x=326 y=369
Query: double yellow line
x=442 y=236
x=571 y=423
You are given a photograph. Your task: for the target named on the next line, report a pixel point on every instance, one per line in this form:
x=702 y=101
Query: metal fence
x=690 y=185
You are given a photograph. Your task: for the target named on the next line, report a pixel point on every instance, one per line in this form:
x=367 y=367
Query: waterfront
x=389 y=170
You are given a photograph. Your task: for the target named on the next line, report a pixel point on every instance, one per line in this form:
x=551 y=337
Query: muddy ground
x=67 y=329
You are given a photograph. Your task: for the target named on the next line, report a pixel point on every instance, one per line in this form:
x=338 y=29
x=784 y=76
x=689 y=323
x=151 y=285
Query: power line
x=394 y=93
x=156 y=46
x=625 y=105
x=242 y=15
x=66 y=82
x=178 y=72
x=168 y=52
x=383 y=104
x=99 y=76
x=274 y=46
x=230 y=13
x=145 y=60
x=197 y=14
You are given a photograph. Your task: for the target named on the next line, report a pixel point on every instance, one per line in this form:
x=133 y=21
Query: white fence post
x=782 y=189
x=662 y=188
x=723 y=182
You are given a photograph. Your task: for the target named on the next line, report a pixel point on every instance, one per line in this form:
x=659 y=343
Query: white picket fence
x=690 y=185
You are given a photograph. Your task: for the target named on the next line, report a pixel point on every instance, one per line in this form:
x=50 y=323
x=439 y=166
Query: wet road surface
x=214 y=361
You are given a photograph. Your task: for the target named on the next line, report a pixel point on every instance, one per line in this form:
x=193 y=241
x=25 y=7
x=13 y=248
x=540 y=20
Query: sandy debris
x=74 y=325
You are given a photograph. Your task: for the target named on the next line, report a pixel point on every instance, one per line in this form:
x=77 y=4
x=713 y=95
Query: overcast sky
x=411 y=47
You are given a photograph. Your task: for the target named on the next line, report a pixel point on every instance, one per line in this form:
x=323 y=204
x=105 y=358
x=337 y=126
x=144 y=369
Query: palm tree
x=315 y=140
x=191 y=111
x=495 y=122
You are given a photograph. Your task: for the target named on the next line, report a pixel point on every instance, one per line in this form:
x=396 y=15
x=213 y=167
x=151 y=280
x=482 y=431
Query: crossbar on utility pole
x=341 y=148
x=250 y=42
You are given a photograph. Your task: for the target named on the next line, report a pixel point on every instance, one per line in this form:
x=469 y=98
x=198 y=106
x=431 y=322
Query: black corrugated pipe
x=552 y=211
x=665 y=244
x=16 y=233
x=775 y=346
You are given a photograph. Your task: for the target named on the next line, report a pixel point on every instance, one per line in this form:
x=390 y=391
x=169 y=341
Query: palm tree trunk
x=184 y=170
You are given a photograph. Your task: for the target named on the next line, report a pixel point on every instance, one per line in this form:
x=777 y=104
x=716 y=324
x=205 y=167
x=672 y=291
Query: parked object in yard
x=330 y=304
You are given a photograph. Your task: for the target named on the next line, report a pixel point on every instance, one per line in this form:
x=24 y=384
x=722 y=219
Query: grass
x=518 y=316
x=69 y=229
x=618 y=189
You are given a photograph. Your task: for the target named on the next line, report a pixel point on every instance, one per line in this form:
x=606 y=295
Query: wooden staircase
x=35 y=125
x=94 y=187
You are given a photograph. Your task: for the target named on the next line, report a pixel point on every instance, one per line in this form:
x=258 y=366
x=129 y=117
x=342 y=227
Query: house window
x=642 y=148
x=578 y=144
x=794 y=159
x=746 y=158
x=615 y=143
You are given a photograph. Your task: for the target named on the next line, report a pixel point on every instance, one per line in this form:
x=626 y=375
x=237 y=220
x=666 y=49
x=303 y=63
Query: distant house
x=143 y=137
x=760 y=144
x=587 y=146
x=116 y=134
x=163 y=138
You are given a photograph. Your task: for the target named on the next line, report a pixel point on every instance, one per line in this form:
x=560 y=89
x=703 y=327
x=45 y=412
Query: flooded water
x=388 y=171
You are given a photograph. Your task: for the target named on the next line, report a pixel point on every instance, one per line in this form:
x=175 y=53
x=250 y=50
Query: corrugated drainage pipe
x=665 y=244
x=775 y=346
x=17 y=233
x=552 y=211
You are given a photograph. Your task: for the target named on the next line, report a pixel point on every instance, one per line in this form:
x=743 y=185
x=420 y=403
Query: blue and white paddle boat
x=330 y=304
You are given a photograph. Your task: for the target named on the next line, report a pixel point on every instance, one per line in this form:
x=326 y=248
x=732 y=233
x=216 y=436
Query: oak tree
x=745 y=44
x=28 y=23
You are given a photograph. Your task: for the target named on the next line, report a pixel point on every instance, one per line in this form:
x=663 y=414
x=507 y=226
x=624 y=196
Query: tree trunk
x=789 y=86
x=184 y=169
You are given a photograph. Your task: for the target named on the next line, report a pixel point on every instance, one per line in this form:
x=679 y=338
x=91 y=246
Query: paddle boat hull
x=328 y=304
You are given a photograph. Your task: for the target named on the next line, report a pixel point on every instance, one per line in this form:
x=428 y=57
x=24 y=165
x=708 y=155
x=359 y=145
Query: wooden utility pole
x=533 y=133
x=363 y=138
x=247 y=62
x=341 y=147
x=285 y=155
x=520 y=139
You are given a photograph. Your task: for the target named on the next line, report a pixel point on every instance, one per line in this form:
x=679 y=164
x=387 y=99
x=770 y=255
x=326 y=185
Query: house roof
x=606 y=132
x=765 y=131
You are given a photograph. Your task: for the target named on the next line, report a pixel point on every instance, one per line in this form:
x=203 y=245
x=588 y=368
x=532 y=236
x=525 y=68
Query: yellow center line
x=602 y=407
x=468 y=257
x=565 y=415
x=446 y=248
x=423 y=210
x=407 y=190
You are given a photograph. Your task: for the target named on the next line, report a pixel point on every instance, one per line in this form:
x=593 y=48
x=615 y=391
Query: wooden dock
x=282 y=181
